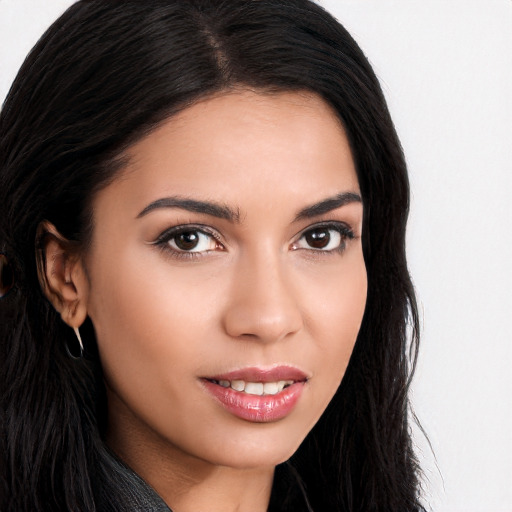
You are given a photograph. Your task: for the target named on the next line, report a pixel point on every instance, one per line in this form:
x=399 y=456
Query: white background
x=446 y=69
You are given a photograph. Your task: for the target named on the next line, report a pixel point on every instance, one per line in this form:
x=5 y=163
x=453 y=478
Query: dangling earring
x=81 y=354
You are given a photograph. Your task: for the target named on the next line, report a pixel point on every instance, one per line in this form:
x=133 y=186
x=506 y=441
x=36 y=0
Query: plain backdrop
x=446 y=69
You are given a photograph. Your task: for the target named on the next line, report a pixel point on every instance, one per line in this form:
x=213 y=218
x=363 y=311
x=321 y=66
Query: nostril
x=252 y=325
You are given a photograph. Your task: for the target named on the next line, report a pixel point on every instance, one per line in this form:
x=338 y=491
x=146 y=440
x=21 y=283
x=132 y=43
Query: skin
x=259 y=295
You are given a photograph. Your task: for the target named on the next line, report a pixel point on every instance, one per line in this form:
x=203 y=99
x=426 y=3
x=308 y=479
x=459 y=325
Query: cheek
x=336 y=313
x=138 y=310
x=153 y=320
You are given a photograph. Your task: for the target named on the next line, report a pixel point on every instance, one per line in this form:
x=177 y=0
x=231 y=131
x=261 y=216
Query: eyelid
x=162 y=242
x=169 y=233
x=343 y=228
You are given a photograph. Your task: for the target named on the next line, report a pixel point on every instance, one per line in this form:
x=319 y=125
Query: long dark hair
x=104 y=75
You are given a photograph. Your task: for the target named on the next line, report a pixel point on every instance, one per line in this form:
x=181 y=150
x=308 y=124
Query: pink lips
x=256 y=408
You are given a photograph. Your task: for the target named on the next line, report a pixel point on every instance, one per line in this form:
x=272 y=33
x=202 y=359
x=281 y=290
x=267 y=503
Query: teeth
x=238 y=385
x=271 y=388
x=284 y=384
x=256 y=388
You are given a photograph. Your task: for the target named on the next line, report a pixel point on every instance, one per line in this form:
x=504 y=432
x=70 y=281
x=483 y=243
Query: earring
x=70 y=353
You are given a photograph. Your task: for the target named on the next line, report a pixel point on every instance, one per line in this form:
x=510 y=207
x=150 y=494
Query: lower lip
x=258 y=409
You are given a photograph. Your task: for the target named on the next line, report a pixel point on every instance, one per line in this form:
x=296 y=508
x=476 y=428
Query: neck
x=189 y=485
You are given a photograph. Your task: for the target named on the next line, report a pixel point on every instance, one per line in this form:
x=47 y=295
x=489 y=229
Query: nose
x=262 y=304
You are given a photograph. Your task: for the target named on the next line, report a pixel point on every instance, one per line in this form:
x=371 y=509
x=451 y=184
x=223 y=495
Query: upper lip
x=255 y=374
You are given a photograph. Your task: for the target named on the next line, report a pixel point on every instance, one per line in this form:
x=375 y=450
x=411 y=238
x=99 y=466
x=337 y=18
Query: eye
x=326 y=238
x=188 y=240
x=192 y=241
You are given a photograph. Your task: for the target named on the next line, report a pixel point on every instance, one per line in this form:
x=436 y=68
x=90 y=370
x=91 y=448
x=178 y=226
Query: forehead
x=242 y=146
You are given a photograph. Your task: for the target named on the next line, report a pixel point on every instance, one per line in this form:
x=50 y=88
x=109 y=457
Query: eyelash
x=163 y=240
x=345 y=232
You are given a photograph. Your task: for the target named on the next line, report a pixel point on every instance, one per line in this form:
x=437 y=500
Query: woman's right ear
x=61 y=274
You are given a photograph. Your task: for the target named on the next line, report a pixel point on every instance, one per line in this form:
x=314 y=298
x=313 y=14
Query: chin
x=269 y=446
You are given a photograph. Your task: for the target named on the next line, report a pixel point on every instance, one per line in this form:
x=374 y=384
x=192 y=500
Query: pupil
x=187 y=240
x=318 y=238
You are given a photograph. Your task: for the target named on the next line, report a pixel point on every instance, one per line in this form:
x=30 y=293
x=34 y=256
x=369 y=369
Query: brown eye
x=190 y=240
x=324 y=238
x=318 y=238
x=187 y=240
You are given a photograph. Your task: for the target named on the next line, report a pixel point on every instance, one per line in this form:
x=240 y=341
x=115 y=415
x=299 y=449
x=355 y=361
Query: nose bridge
x=262 y=303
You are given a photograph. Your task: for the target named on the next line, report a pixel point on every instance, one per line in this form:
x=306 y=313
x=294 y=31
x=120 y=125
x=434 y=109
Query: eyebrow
x=192 y=205
x=233 y=215
x=328 y=205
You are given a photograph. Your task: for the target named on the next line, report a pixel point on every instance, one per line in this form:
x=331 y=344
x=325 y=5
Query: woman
x=203 y=214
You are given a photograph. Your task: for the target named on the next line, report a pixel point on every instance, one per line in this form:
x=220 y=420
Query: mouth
x=254 y=388
x=258 y=395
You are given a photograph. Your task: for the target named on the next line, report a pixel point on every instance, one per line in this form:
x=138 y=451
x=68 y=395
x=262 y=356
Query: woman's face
x=226 y=280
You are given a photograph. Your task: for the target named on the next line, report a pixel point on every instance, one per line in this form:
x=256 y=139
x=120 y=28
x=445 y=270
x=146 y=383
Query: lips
x=258 y=395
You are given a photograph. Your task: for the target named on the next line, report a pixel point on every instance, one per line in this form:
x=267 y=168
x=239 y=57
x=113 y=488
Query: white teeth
x=256 y=388
x=270 y=388
x=283 y=384
x=238 y=385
